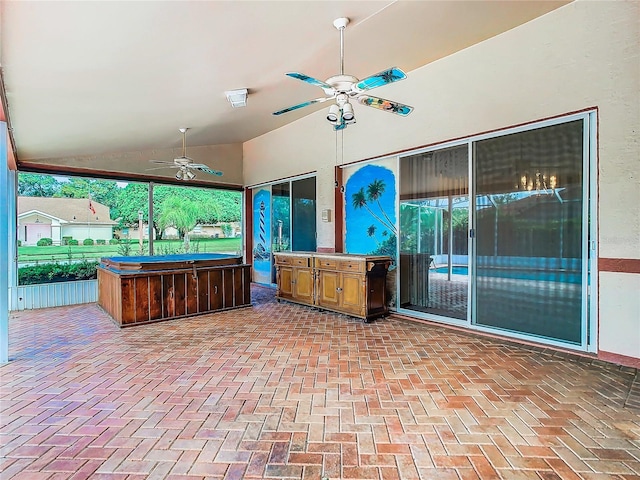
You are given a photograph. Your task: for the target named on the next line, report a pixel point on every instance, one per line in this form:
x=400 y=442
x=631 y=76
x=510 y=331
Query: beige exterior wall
x=82 y=232
x=225 y=157
x=620 y=313
x=586 y=54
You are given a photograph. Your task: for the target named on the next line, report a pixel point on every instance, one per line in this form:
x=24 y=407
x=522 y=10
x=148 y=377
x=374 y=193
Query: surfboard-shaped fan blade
x=309 y=80
x=380 y=79
x=386 y=105
x=205 y=169
x=162 y=162
x=301 y=105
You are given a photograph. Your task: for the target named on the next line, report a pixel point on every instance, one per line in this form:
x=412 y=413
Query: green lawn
x=160 y=247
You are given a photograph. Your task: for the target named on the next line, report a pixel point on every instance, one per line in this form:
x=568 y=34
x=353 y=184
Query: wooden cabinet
x=137 y=290
x=350 y=284
x=294 y=278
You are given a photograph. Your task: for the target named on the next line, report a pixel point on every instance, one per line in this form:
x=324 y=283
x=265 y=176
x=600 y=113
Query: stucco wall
x=82 y=232
x=585 y=54
x=224 y=157
x=620 y=313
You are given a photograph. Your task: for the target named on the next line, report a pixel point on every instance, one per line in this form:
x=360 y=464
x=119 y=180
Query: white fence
x=45 y=295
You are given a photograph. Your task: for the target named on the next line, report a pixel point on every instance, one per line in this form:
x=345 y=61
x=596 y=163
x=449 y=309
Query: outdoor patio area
x=278 y=390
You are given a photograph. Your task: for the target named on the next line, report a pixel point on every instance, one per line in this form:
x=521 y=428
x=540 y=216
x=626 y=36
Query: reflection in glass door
x=303 y=221
x=434 y=221
x=281 y=225
x=284 y=219
x=530 y=233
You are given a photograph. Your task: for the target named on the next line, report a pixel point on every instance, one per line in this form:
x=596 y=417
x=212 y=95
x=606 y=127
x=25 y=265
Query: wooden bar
x=350 y=284
x=139 y=290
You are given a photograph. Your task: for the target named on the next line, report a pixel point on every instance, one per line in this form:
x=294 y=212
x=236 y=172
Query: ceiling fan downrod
x=184 y=140
x=341 y=24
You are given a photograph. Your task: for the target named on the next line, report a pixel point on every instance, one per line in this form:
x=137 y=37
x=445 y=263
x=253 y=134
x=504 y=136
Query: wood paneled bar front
x=138 y=290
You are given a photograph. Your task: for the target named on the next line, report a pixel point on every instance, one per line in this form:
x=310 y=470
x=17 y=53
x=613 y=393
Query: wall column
x=8 y=274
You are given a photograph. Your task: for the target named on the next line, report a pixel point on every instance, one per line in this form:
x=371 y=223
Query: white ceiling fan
x=184 y=164
x=343 y=88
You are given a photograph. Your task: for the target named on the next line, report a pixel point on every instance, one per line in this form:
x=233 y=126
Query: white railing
x=45 y=295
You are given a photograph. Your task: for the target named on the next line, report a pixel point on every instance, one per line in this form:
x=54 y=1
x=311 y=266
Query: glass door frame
x=431 y=316
x=269 y=185
x=589 y=288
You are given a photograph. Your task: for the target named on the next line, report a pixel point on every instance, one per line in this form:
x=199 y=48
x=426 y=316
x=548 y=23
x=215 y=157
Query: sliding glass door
x=281 y=225
x=502 y=244
x=434 y=221
x=303 y=220
x=284 y=219
x=530 y=232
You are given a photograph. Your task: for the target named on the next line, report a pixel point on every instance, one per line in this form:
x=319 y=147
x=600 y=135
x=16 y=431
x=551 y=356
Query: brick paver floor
x=283 y=391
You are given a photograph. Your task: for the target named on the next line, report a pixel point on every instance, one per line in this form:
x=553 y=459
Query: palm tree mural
x=374 y=192
x=371 y=232
x=370 y=216
x=359 y=200
x=370 y=213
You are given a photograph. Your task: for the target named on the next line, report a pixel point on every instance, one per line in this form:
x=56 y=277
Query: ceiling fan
x=343 y=88
x=184 y=164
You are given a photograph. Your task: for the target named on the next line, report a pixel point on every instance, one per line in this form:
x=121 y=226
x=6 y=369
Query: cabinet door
x=353 y=293
x=203 y=291
x=238 y=287
x=246 y=290
x=284 y=282
x=215 y=289
x=376 y=294
x=192 y=293
x=328 y=289
x=168 y=296
x=227 y=287
x=303 y=285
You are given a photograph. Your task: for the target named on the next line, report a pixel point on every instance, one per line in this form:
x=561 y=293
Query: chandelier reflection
x=541 y=183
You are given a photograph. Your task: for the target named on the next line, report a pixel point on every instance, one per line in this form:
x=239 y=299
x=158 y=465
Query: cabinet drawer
x=280 y=260
x=328 y=263
x=351 y=266
x=300 y=261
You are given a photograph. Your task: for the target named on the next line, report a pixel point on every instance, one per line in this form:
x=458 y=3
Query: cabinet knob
x=338 y=289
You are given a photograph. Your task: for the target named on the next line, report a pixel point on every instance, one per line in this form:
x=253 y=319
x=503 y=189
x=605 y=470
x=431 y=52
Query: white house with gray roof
x=57 y=218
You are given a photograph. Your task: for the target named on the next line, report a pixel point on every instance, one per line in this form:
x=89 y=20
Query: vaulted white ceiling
x=102 y=77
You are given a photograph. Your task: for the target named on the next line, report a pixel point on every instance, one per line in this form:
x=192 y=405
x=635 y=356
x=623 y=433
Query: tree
x=36 y=185
x=131 y=199
x=105 y=192
x=213 y=206
x=180 y=213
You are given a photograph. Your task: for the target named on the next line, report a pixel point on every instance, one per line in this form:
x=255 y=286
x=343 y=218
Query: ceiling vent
x=237 y=98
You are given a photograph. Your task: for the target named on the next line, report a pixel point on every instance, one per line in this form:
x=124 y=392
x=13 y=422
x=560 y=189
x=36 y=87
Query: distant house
x=171 y=233
x=57 y=218
x=206 y=231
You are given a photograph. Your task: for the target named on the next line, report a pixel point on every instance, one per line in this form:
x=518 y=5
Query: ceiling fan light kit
x=342 y=88
x=185 y=174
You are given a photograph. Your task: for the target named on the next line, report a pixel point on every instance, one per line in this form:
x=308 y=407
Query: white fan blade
x=309 y=80
x=300 y=105
x=161 y=162
x=161 y=168
x=205 y=169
